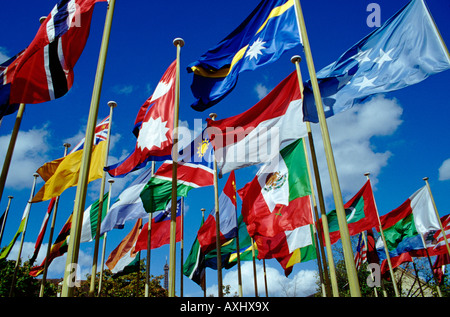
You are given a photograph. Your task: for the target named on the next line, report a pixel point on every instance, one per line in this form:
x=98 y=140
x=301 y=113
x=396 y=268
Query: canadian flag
x=153 y=127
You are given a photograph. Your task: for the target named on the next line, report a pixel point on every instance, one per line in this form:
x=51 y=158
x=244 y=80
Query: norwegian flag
x=45 y=70
x=153 y=128
x=361 y=252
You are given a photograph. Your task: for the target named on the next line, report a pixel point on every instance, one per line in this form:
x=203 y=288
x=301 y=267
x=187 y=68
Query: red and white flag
x=155 y=127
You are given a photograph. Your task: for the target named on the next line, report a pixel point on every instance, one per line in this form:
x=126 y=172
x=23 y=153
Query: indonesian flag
x=227 y=219
x=45 y=70
x=258 y=134
x=153 y=127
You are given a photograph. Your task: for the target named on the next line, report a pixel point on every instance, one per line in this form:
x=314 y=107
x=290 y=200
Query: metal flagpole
x=179 y=43
x=213 y=116
x=181 y=245
x=265 y=277
x=105 y=235
x=5 y=217
x=437 y=215
x=149 y=246
x=80 y=196
x=254 y=268
x=27 y=216
x=238 y=255
x=326 y=233
x=388 y=257
x=9 y=152
x=50 y=238
x=112 y=105
x=203 y=282
x=355 y=290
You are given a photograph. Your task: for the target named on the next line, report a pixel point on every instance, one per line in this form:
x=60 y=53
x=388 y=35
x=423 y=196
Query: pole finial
x=213 y=116
x=10 y=197
x=425 y=178
x=110 y=181
x=67 y=145
x=367 y=174
x=178 y=42
x=42 y=19
x=296 y=59
x=112 y=104
x=35 y=175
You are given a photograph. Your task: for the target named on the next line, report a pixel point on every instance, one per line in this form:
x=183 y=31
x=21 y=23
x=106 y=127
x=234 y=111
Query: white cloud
x=351 y=133
x=261 y=90
x=30 y=153
x=4 y=54
x=123 y=89
x=299 y=285
x=444 y=170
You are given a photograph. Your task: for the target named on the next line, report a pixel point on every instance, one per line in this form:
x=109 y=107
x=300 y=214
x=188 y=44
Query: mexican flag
x=360 y=213
x=277 y=199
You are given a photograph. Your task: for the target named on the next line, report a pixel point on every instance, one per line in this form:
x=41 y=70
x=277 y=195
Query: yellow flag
x=63 y=173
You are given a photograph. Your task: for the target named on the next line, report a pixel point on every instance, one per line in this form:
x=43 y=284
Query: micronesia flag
x=403 y=51
x=270 y=30
x=45 y=71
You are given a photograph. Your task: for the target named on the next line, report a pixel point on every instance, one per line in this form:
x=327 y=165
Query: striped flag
x=361 y=252
x=101 y=134
x=41 y=234
x=439 y=237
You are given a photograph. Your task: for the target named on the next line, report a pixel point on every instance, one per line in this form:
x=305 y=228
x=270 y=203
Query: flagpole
x=50 y=238
x=10 y=151
x=254 y=268
x=179 y=43
x=105 y=235
x=353 y=282
x=238 y=257
x=438 y=289
x=203 y=282
x=112 y=105
x=5 y=217
x=216 y=204
x=326 y=232
x=80 y=196
x=265 y=278
x=181 y=246
x=437 y=214
x=388 y=257
x=149 y=245
x=27 y=216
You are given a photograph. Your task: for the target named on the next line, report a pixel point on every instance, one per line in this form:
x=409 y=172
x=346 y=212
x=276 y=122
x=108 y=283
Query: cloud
x=123 y=89
x=261 y=90
x=354 y=153
x=30 y=153
x=4 y=54
x=299 y=285
x=444 y=170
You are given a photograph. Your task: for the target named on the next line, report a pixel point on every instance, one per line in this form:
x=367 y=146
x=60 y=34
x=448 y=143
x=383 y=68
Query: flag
x=372 y=255
x=194 y=266
x=63 y=173
x=23 y=221
x=124 y=254
x=160 y=229
x=153 y=128
x=361 y=252
x=7 y=70
x=90 y=218
x=278 y=200
x=361 y=214
x=128 y=206
x=405 y=226
x=58 y=248
x=403 y=51
x=227 y=216
x=158 y=191
x=100 y=134
x=269 y=31
x=439 y=240
x=439 y=266
x=41 y=234
x=45 y=71
x=257 y=135
x=288 y=247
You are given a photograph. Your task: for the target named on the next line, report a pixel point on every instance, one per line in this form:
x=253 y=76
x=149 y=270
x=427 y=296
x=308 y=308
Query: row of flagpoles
x=87 y=154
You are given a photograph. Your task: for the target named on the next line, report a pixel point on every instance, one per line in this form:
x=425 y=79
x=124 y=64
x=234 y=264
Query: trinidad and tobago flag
x=45 y=70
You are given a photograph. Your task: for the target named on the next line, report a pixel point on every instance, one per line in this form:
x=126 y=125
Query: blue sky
x=399 y=137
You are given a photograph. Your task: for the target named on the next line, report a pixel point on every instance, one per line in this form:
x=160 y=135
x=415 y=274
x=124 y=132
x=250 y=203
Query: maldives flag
x=361 y=214
x=160 y=229
x=45 y=70
x=277 y=199
x=153 y=128
x=257 y=135
x=227 y=219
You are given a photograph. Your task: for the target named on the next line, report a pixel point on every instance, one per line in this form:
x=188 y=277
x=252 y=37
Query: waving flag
x=153 y=128
x=7 y=70
x=227 y=218
x=101 y=134
x=268 y=31
x=257 y=135
x=402 y=52
x=45 y=71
